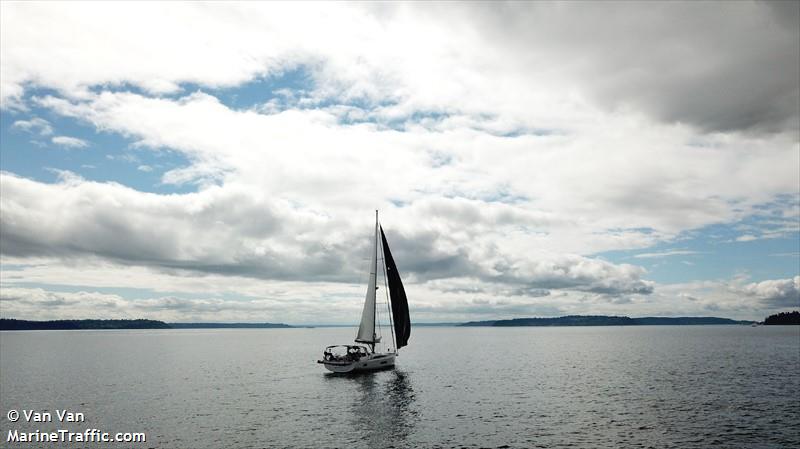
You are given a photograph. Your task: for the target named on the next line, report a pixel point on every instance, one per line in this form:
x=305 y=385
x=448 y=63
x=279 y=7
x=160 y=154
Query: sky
x=213 y=162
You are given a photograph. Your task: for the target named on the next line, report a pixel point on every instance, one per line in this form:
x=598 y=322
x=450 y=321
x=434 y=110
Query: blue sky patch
x=713 y=252
x=31 y=152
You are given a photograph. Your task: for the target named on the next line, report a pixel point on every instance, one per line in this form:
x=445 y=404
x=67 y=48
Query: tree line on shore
x=783 y=318
x=19 y=325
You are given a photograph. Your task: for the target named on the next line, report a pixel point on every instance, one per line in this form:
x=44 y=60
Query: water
x=662 y=386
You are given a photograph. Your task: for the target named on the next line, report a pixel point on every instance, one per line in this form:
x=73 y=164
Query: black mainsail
x=402 y=321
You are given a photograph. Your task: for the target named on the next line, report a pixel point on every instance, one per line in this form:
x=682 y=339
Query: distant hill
x=229 y=326
x=18 y=325
x=601 y=320
x=783 y=318
x=689 y=321
x=13 y=325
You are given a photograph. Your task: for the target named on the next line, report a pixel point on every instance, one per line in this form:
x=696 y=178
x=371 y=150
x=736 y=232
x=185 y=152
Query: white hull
x=372 y=362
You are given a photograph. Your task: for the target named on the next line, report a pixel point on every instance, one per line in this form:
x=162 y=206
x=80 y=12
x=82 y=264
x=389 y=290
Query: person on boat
x=354 y=352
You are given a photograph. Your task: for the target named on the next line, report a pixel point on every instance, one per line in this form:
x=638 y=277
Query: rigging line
x=375 y=309
x=375 y=268
x=386 y=288
x=378 y=315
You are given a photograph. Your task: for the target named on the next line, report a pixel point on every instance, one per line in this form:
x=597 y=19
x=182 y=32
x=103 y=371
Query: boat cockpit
x=345 y=353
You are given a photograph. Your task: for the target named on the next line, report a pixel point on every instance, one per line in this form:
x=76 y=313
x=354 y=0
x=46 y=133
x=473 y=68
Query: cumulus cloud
x=737 y=296
x=777 y=293
x=69 y=142
x=225 y=231
x=216 y=230
x=734 y=298
x=718 y=68
x=35 y=125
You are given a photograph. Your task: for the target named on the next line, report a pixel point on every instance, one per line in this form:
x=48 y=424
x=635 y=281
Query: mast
x=366 y=330
x=374 y=269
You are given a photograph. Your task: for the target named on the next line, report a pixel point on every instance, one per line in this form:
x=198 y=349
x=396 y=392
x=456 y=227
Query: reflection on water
x=382 y=408
x=401 y=396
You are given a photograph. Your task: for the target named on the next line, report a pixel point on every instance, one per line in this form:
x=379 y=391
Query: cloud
x=17 y=300
x=186 y=297
x=40 y=304
x=214 y=231
x=728 y=69
x=780 y=219
x=228 y=231
x=795 y=254
x=679 y=190
x=719 y=69
x=777 y=293
x=69 y=142
x=735 y=298
x=34 y=126
x=677 y=252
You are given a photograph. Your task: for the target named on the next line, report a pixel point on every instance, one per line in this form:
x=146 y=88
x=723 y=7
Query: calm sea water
x=681 y=387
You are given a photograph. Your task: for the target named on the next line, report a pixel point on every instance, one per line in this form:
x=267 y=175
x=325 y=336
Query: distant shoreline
x=13 y=325
x=602 y=320
x=8 y=324
x=231 y=326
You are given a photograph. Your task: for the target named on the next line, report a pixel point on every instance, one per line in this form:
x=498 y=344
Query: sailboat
x=363 y=355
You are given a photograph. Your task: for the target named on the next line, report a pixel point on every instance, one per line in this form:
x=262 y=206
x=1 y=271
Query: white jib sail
x=366 y=331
